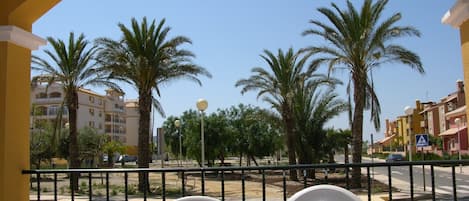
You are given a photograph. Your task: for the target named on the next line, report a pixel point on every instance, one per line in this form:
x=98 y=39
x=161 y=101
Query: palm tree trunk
x=289 y=124
x=240 y=158
x=346 y=153
x=144 y=105
x=357 y=128
x=72 y=104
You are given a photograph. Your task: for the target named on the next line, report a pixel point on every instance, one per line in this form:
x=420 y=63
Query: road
x=443 y=179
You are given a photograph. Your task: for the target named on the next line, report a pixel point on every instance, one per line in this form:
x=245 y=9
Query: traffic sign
x=421 y=140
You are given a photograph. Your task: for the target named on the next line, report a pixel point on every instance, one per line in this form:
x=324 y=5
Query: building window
x=41 y=95
x=91 y=99
x=52 y=110
x=92 y=111
x=91 y=124
x=100 y=114
x=100 y=101
x=55 y=95
x=108 y=117
x=41 y=110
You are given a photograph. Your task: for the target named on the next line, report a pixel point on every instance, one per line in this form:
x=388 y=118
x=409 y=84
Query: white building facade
x=105 y=113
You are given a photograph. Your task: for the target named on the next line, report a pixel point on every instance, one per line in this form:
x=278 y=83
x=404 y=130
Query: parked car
x=394 y=157
x=127 y=158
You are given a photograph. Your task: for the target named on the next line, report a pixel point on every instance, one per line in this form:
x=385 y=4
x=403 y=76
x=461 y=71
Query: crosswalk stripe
x=397 y=172
x=458 y=189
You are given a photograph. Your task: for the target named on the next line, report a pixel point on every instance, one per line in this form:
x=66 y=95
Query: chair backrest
x=324 y=193
x=197 y=198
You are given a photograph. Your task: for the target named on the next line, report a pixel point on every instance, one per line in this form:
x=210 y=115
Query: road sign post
x=421 y=140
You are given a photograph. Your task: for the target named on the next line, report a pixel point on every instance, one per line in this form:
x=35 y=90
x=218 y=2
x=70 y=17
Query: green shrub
x=114 y=192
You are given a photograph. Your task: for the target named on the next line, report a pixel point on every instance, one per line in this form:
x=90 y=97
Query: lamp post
x=202 y=104
x=409 y=111
x=458 y=123
x=177 y=123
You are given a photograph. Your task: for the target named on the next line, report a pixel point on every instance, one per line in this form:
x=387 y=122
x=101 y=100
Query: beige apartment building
x=132 y=118
x=106 y=113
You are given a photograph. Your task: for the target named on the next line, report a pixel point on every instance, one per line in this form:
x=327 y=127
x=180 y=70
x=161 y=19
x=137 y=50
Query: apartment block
x=106 y=113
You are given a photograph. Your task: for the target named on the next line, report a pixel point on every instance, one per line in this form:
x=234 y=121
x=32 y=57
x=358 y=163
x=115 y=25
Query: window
x=100 y=114
x=91 y=99
x=91 y=124
x=100 y=101
x=55 y=95
x=108 y=117
x=41 y=110
x=53 y=110
x=41 y=95
x=92 y=111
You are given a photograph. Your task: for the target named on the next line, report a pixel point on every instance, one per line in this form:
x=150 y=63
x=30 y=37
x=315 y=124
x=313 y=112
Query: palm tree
x=361 y=41
x=72 y=66
x=146 y=58
x=313 y=109
x=275 y=88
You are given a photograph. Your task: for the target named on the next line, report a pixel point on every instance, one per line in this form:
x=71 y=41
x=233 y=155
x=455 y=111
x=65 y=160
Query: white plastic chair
x=197 y=198
x=324 y=193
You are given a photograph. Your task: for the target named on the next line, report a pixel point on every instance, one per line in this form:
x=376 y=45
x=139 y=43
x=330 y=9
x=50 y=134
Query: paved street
x=443 y=180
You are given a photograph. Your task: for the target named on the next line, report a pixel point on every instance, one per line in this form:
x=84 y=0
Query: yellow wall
x=15 y=98
x=401 y=130
x=14 y=120
x=464 y=34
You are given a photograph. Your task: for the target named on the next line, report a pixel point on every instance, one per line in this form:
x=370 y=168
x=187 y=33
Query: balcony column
x=16 y=43
x=458 y=17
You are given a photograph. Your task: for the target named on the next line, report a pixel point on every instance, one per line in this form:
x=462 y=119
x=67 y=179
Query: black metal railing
x=219 y=174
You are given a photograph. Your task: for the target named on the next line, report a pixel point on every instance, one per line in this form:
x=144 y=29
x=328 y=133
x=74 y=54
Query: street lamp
x=177 y=123
x=202 y=104
x=409 y=111
x=458 y=123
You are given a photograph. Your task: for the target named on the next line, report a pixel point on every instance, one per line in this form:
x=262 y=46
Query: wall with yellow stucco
x=464 y=34
x=14 y=98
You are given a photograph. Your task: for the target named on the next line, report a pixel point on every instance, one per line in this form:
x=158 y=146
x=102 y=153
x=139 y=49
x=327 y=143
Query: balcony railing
x=261 y=172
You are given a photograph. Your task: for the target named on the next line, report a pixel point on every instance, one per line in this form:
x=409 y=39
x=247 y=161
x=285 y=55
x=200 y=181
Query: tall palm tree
x=313 y=109
x=73 y=67
x=360 y=41
x=276 y=88
x=147 y=58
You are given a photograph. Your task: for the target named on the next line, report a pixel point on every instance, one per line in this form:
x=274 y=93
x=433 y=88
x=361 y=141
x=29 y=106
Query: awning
x=386 y=139
x=452 y=131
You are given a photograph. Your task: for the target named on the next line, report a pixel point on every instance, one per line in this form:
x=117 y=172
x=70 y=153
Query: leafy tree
x=147 y=59
x=171 y=135
x=72 y=66
x=110 y=148
x=237 y=130
x=91 y=144
x=255 y=134
x=275 y=86
x=360 y=41
x=217 y=136
x=40 y=144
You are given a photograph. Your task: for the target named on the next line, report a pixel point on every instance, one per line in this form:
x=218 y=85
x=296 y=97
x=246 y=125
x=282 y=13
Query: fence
x=219 y=174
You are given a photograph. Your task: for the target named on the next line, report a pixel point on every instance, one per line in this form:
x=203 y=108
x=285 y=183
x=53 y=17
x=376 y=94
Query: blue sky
x=229 y=36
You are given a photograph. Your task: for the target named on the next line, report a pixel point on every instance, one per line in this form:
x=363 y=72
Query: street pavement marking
x=397 y=172
x=439 y=191
x=458 y=190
